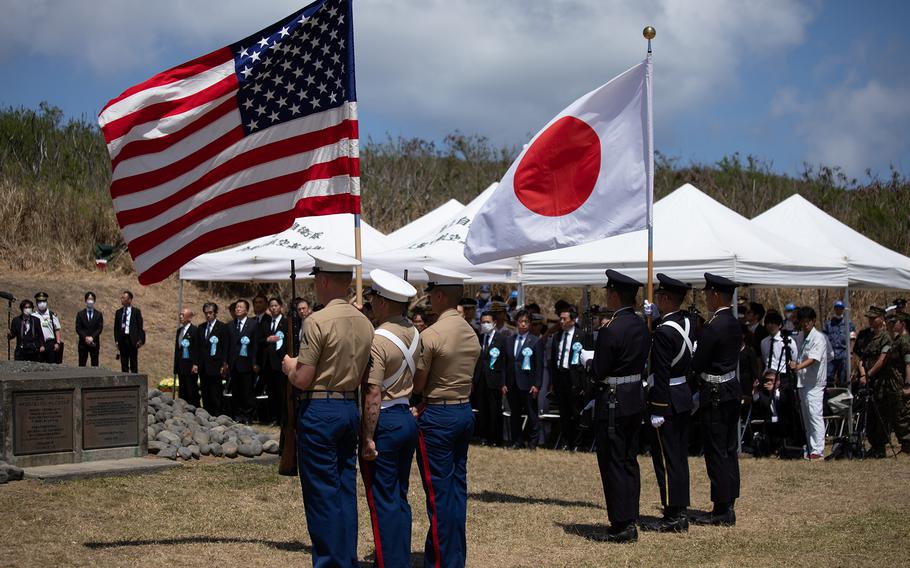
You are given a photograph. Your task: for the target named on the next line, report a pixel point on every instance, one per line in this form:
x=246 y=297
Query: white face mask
x=90 y=303
x=484 y=295
x=487 y=327
x=42 y=306
x=27 y=311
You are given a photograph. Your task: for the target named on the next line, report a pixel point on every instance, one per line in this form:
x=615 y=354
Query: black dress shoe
x=516 y=446
x=627 y=534
x=726 y=519
x=678 y=524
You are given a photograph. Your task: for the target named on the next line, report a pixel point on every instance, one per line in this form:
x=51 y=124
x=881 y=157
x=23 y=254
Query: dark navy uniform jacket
x=717 y=353
x=667 y=343
x=621 y=350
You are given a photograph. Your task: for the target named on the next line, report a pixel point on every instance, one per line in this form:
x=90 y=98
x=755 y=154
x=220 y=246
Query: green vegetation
x=54 y=176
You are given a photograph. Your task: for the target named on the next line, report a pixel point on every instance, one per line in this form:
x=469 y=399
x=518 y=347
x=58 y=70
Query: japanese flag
x=586 y=176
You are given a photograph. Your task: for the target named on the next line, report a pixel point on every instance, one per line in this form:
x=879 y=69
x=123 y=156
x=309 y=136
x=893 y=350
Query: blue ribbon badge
x=280 y=341
x=185 y=343
x=576 y=352
x=526 y=362
x=494 y=355
x=244 y=341
x=214 y=341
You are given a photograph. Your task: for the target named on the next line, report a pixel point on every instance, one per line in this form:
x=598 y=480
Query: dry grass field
x=524 y=509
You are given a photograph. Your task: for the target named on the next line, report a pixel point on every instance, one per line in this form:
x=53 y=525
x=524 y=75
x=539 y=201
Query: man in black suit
x=567 y=374
x=213 y=339
x=524 y=375
x=129 y=333
x=670 y=402
x=185 y=356
x=620 y=357
x=89 y=325
x=244 y=334
x=489 y=381
x=715 y=361
x=275 y=343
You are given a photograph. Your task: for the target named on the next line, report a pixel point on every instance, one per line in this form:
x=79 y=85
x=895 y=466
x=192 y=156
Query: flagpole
x=650 y=33
x=358 y=270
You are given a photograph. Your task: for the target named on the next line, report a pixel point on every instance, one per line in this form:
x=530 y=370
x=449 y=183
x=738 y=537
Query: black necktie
x=89 y=315
x=208 y=331
x=238 y=325
x=274 y=326
x=518 y=344
x=125 y=318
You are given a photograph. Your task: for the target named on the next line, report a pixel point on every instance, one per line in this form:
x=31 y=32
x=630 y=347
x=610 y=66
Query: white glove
x=657 y=421
x=588 y=406
x=586 y=356
x=648 y=308
x=695 y=401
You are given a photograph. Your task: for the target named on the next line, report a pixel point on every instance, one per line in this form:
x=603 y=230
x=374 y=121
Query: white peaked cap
x=391 y=287
x=328 y=261
x=443 y=277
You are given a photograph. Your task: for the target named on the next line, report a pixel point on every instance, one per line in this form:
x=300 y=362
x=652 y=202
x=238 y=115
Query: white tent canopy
x=445 y=247
x=693 y=234
x=424 y=225
x=267 y=259
x=869 y=264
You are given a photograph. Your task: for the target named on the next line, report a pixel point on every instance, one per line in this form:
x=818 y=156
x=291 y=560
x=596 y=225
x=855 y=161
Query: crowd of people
x=486 y=368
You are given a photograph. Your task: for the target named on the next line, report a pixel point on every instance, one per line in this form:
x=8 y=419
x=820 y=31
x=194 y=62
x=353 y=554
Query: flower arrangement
x=168 y=384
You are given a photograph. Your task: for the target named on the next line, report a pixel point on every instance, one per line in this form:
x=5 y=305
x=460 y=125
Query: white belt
x=616 y=381
x=394 y=402
x=717 y=379
x=674 y=381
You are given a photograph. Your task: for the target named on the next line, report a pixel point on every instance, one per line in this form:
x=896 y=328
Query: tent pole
x=179 y=311
x=849 y=371
x=521 y=294
x=358 y=270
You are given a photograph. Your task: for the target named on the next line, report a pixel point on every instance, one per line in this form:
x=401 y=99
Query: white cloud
x=852 y=126
x=428 y=67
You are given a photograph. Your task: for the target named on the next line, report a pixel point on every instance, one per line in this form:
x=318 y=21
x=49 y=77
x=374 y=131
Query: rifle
x=287 y=464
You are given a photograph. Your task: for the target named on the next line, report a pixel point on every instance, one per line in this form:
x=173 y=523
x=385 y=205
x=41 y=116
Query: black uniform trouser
x=617 y=458
x=129 y=357
x=490 y=415
x=720 y=428
x=242 y=399
x=276 y=386
x=188 y=387
x=86 y=352
x=522 y=403
x=26 y=355
x=48 y=356
x=568 y=414
x=882 y=413
x=670 y=454
x=212 y=394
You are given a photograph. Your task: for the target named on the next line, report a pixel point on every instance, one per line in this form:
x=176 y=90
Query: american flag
x=236 y=144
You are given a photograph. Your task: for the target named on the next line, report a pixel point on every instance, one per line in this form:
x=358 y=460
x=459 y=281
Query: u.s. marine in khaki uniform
x=446 y=422
x=334 y=356
x=388 y=429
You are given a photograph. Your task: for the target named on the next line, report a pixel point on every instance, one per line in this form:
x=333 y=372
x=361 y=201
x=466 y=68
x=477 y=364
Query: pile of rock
x=9 y=472
x=177 y=429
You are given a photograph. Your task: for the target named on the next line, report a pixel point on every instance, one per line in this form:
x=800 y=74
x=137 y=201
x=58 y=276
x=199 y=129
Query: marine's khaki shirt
x=450 y=351
x=336 y=341
x=387 y=358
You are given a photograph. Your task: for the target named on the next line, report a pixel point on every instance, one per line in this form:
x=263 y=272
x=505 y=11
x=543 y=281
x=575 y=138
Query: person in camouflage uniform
x=875 y=372
x=899 y=359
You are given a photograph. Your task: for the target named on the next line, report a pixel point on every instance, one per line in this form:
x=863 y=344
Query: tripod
x=855 y=445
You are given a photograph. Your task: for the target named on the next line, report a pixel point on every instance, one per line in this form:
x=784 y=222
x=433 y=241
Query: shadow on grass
x=292 y=546
x=597 y=532
x=496 y=497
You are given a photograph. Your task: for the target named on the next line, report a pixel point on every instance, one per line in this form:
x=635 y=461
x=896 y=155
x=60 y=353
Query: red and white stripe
x=186 y=180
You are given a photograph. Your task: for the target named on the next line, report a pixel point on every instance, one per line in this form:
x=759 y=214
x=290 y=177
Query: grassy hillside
x=54 y=177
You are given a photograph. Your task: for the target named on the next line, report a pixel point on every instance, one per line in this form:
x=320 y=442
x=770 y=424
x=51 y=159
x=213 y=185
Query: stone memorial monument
x=56 y=414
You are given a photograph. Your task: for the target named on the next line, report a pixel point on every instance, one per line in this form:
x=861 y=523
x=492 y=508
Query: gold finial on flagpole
x=650 y=33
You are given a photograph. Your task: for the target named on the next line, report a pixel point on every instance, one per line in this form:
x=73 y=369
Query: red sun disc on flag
x=558 y=172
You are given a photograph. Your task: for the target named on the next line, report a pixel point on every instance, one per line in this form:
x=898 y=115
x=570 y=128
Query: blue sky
x=787 y=81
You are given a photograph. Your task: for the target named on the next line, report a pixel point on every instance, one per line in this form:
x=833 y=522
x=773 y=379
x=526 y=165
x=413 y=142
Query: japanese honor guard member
x=620 y=356
x=445 y=420
x=715 y=362
x=334 y=355
x=388 y=429
x=670 y=402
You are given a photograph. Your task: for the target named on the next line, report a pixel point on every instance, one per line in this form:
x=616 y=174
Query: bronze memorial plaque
x=110 y=417
x=42 y=422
